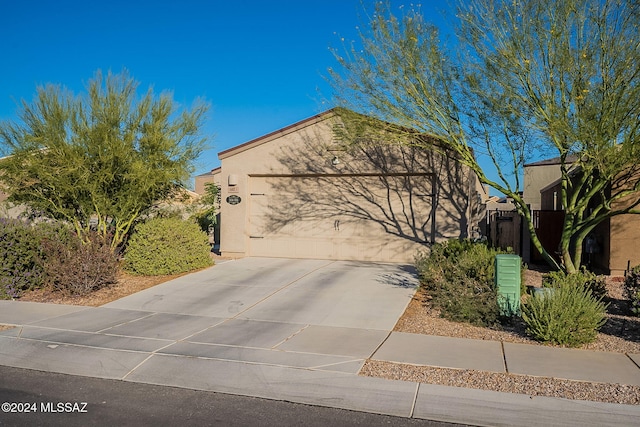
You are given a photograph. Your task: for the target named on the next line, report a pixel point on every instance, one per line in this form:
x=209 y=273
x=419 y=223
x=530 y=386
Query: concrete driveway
x=310 y=314
x=317 y=292
x=303 y=306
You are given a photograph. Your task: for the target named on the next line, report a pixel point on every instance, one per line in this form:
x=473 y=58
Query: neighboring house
x=537 y=176
x=496 y=203
x=612 y=246
x=210 y=177
x=213 y=177
x=298 y=192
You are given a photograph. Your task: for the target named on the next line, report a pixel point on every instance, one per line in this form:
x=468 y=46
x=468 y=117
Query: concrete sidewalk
x=274 y=340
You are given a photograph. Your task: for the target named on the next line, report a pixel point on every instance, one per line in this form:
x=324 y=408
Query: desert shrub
x=23 y=255
x=584 y=278
x=458 y=277
x=78 y=268
x=632 y=289
x=21 y=267
x=568 y=315
x=167 y=246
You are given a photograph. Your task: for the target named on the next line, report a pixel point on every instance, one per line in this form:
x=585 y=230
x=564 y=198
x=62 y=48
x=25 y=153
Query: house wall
x=617 y=238
x=625 y=240
x=200 y=180
x=536 y=177
x=550 y=199
x=287 y=180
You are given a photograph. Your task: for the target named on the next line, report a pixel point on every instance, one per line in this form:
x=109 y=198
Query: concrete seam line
x=147 y=358
x=415 y=400
x=632 y=361
x=186 y=339
x=380 y=345
x=504 y=357
x=151 y=313
x=258 y=302
x=290 y=336
x=284 y=287
x=124 y=378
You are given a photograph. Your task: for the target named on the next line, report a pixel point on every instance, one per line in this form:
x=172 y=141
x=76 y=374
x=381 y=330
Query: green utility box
x=507 y=280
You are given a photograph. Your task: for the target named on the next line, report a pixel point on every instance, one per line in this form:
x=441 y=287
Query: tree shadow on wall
x=325 y=187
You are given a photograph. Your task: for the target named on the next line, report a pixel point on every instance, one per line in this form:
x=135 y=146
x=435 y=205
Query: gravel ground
x=508 y=383
x=621 y=334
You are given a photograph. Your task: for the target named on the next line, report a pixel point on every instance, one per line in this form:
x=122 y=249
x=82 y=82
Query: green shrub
x=78 y=268
x=458 y=276
x=632 y=289
x=568 y=315
x=21 y=267
x=167 y=246
x=584 y=278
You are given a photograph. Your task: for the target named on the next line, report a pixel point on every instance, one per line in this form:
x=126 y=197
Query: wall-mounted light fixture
x=233 y=179
x=335 y=161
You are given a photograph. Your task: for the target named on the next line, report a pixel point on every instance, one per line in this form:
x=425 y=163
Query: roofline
x=553 y=161
x=307 y=122
x=276 y=134
x=211 y=172
x=572 y=173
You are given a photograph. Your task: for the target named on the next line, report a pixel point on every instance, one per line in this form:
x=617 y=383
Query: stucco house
x=613 y=245
x=297 y=192
x=538 y=175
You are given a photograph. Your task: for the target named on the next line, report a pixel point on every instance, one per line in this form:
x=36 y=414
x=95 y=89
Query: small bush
x=588 y=280
x=632 y=289
x=21 y=267
x=458 y=276
x=167 y=246
x=569 y=315
x=78 y=268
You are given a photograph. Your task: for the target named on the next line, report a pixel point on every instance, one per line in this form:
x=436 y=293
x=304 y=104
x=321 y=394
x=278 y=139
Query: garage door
x=364 y=217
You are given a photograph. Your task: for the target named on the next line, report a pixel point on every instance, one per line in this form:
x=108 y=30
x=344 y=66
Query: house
x=612 y=246
x=497 y=203
x=538 y=175
x=212 y=176
x=298 y=192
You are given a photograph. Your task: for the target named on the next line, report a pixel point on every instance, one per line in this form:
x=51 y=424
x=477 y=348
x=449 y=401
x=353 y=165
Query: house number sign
x=233 y=200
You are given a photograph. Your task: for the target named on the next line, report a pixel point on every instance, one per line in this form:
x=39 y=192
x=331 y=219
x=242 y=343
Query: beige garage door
x=372 y=218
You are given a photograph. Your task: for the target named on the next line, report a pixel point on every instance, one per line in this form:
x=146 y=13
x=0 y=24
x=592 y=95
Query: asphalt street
x=60 y=400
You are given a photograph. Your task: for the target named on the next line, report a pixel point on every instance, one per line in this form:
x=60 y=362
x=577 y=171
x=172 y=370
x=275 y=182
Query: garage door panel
x=353 y=218
x=314 y=248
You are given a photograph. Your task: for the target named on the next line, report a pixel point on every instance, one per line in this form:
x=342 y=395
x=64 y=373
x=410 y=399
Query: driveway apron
x=317 y=315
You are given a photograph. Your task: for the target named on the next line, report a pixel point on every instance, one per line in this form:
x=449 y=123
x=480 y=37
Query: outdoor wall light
x=233 y=179
x=335 y=161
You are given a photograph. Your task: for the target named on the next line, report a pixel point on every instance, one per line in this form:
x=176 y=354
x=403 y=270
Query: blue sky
x=260 y=64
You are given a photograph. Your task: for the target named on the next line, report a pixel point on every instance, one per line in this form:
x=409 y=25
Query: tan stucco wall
x=624 y=241
x=550 y=198
x=260 y=158
x=201 y=180
x=618 y=238
x=308 y=149
x=535 y=179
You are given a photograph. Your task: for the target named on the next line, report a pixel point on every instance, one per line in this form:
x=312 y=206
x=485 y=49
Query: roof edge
x=211 y=172
x=275 y=134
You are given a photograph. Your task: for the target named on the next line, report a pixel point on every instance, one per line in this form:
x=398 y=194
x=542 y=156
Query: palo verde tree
x=108 y=155
x=519 y=80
